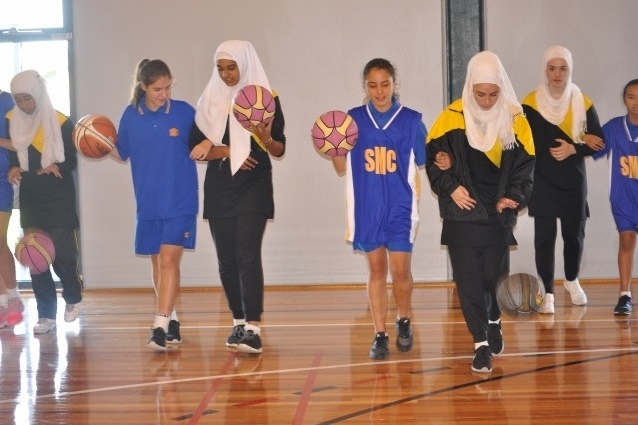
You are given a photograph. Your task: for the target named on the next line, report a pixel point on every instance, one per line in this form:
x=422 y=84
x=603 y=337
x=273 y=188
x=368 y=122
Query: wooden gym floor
x=579 y=366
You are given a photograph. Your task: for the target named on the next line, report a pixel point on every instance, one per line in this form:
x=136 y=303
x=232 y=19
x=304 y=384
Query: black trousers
x=238 y=242
x=476 y=272
x=65 y=266
x=573 y=233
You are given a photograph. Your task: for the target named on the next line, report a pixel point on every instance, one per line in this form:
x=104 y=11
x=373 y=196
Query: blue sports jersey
x=164 y=176
x=622 y=150
x=383 y=184
x=6 y=189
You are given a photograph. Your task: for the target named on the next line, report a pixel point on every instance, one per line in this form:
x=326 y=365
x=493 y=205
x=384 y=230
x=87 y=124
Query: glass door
x=34 y=34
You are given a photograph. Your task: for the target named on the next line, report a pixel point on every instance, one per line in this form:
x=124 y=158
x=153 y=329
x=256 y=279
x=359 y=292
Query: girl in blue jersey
x=489 y=145
x=238 y=189
x=153 y=133
x=382 y=196
x=621 y=146
x=11 y=306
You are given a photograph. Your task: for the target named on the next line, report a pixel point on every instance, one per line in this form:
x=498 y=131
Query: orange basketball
x=94 y=136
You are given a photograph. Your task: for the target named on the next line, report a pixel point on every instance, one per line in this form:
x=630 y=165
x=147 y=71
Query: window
x=36 y=34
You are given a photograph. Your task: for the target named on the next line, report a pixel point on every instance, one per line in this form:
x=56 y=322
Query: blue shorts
x=390 y=246
x=6 y=195
x=624 y=223
x=151 y=234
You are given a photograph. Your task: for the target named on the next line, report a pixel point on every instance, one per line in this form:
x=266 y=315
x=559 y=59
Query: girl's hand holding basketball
x=262 y=131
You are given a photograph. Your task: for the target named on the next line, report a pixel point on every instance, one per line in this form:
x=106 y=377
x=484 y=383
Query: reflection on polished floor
x=578 y=366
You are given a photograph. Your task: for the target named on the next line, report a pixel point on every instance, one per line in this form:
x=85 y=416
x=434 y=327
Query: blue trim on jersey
x=164 y=176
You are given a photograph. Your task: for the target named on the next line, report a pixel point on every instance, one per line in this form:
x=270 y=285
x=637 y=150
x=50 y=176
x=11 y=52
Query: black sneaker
x=173 y=336
x=624 y=306
x=250 y=343
x=495 y=338
x=379 y=349
x=157 y=341
x=404 y=334
x=236 y=336
x=482 y=361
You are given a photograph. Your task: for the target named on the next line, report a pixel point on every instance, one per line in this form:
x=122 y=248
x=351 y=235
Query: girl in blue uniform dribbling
x=382 y=198
x=621 y=146
x=153 y=133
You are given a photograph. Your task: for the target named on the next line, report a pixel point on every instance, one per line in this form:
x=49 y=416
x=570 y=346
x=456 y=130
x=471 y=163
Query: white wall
x=314 y=52
x=599 y=35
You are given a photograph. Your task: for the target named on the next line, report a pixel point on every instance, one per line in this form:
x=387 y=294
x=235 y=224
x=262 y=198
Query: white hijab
x=554 y=110
x=482 y=127
x=216 y=102
x=23 y=127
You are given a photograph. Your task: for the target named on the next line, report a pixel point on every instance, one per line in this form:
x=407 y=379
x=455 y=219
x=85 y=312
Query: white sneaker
x=576 y=292
x=43 y=326
x=547 y=305
x=72 y=311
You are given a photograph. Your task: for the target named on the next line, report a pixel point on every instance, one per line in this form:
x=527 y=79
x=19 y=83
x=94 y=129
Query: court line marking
x=302 y=406
x=305 y=370
x=317 y=325
x=465 y=385
x=201 y=408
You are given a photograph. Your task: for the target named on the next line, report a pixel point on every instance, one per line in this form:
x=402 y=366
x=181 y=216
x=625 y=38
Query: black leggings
x=476 y=271
x=573 y=233
x=238 y=242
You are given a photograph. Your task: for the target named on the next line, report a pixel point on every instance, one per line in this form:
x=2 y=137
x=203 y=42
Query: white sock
x=479 y=344
x=255 y=329
x=13 y=293
x=161 y=321
x=239 y=322
x=628 y=293
x=174 y=315
x=497 y=321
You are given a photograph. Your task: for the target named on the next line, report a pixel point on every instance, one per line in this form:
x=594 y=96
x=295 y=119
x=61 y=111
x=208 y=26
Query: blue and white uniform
x=383 y=183
x=621 y=146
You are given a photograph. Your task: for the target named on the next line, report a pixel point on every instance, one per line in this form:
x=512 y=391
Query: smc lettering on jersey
x=629 y=166
x=380 y=160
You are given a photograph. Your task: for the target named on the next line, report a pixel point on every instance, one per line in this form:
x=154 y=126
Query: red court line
x=307 y=390
x=211 y=391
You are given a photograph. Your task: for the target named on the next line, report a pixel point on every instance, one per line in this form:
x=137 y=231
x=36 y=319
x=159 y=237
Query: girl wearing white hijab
x=566 y=129
x=487 y=180
x=238 y=191
x=43 y=164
